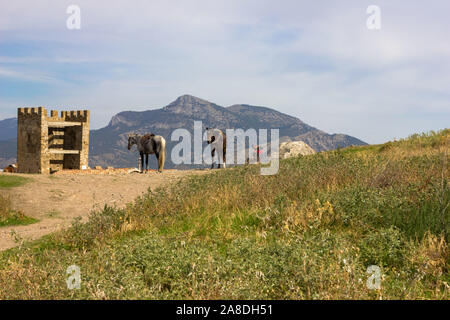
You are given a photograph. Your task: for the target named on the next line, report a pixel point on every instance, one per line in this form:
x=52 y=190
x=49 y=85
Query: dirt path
x=57 y=199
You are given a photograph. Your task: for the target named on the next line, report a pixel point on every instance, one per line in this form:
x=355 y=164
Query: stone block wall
x=50 y=143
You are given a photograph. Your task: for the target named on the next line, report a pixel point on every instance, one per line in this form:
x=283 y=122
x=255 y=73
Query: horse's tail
x=162 y=154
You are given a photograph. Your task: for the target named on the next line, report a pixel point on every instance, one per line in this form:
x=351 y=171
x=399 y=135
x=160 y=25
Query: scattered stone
x=295 y=148
x=134 y=170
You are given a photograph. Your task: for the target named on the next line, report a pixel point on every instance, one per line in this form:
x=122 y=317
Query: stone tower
x=46 y=144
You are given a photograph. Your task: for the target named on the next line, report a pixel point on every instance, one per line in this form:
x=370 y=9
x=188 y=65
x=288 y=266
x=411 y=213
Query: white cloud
x=26 y=76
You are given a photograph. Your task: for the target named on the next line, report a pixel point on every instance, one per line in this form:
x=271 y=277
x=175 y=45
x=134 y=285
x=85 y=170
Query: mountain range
x=108 y=145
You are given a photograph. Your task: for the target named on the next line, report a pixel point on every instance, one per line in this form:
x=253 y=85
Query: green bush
x=385 y=247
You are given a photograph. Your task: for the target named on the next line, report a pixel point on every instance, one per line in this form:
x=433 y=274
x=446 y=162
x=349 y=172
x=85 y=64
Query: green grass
x=309 y=232
x=12 y=181
x=17 y=220
x=9 y=217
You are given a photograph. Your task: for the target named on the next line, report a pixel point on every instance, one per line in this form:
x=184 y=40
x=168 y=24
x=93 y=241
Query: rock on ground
x=294 y=148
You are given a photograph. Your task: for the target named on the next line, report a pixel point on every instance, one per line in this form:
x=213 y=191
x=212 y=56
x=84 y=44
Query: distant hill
x=108 y=145
x=8 y=129
x=8 y=142
x=8 y=152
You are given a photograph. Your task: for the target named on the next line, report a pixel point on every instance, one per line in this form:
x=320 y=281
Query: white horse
x=149 y=144
x=218 y=141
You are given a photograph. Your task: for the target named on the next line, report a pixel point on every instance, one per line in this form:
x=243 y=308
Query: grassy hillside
x=309 y=232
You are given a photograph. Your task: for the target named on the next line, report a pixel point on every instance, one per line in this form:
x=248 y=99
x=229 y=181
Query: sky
x=315 y=60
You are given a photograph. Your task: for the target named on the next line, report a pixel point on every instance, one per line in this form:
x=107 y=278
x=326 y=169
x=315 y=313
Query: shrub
x=385 y=248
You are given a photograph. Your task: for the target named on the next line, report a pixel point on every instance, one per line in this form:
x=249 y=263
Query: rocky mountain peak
x=188 y=104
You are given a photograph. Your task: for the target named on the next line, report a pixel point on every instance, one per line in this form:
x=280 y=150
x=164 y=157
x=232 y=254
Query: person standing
x=258 y=151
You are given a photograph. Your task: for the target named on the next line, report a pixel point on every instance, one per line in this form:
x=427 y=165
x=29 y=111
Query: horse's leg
x=224 y=158
x=146 y=162
x=212 y=158
x=219 y=159
x=142 y=162
x=157 y=158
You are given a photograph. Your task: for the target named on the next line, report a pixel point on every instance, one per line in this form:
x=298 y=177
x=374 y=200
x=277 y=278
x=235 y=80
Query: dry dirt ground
x=57 y=199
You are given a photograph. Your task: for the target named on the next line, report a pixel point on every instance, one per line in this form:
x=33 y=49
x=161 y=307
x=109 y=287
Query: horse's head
x=212 y=135
x=132 y=140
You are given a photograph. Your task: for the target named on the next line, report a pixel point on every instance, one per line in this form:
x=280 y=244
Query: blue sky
x=313 y=60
